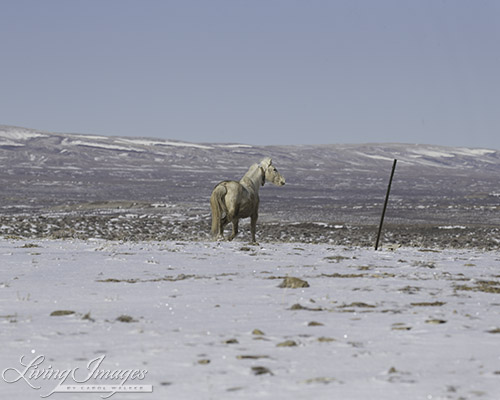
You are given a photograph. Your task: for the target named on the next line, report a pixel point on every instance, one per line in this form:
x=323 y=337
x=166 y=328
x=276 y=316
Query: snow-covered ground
x=203 y=320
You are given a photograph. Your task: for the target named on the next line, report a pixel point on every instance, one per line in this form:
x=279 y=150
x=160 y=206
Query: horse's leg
x=222 y=223
x=253 y=225
x=235 y=228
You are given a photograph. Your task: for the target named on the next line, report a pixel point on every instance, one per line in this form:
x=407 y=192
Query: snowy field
x=204 y=320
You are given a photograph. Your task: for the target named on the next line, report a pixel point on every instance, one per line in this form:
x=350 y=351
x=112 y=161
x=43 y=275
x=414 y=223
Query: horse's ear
x=266 y=162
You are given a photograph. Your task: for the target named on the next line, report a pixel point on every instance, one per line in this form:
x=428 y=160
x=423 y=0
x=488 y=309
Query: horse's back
x=229 y=186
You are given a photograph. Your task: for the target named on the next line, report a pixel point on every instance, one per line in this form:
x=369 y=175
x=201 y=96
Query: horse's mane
x=266 y=162
x=253 y=167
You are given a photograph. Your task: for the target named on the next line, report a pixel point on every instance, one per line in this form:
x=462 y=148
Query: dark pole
x=385 y=204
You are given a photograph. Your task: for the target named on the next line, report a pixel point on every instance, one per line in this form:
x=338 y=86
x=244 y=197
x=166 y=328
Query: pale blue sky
x=260 y=72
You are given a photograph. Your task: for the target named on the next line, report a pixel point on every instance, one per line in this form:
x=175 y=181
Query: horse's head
x=271 y=174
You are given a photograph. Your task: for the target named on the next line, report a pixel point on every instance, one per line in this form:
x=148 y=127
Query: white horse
x=232 y=200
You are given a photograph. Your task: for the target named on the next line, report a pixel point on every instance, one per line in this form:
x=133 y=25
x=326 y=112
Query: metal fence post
x=385 y=204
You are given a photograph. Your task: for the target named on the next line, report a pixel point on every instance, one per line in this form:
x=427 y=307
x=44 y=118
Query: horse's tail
x=218 y=207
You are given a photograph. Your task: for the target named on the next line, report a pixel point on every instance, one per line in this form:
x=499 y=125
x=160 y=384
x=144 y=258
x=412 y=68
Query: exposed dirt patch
x=291 y=282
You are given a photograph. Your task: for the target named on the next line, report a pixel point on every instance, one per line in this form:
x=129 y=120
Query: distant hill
x=44 y=171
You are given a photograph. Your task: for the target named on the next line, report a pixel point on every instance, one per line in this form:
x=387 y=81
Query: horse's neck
x=252 y=179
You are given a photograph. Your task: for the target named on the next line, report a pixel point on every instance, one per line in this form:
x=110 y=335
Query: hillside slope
x=338 y=183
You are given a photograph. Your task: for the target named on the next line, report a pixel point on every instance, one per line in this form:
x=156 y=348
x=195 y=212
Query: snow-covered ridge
x=375 y=157
x=147 y=142
x=453 y=152
x=423 y=155
x=235 y=146
x=17 y=137
x=19 y=133
x=350 y=156
x=10 y=143
x=98 y=145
